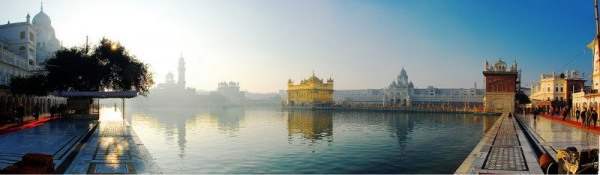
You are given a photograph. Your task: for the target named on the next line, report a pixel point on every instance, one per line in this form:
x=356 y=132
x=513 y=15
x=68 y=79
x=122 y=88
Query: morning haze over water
x=269 y=140
x=299 y=87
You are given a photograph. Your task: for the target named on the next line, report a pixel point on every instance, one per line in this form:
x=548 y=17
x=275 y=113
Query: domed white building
x=46 y=43
x=398 y=92
x=26 y=45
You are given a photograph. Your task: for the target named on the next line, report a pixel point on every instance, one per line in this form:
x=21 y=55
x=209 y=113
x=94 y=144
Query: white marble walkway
x=555 y=135
x=56 y=138
x=113 y=149
x=504 y=149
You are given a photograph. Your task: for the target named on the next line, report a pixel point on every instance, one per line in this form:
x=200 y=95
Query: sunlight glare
x=108 y=114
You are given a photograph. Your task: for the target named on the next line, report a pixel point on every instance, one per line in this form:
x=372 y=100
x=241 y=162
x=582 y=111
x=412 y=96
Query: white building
x=361 y=96
x=181 y=72
x=25 y=45
x=170 y=78
x=398 y=92
x=454 y=96
x=401 y=92
x=231 y=92
x=46 y=43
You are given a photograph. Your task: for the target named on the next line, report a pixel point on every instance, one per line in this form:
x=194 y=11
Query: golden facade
x=310 y=92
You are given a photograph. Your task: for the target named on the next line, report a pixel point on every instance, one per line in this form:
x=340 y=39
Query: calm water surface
x=276 y=141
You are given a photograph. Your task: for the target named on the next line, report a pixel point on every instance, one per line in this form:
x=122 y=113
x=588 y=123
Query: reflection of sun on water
x=108 y=114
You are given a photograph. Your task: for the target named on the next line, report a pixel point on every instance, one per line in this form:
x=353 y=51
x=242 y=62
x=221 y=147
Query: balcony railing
x=12 y=59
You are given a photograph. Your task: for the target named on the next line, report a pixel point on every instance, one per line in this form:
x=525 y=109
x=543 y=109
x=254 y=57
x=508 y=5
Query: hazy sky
x=361 y=44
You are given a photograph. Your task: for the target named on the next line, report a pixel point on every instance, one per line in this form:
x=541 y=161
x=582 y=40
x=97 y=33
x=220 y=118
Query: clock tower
x=500 y=87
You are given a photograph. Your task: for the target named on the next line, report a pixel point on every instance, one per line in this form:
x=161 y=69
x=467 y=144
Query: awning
x=95 y=94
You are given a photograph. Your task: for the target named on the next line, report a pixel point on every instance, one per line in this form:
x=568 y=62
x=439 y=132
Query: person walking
x=564 y=114
x=535 y=113
x=582 y=115
x=588 y=117
x=577 y=115
x=594 y=117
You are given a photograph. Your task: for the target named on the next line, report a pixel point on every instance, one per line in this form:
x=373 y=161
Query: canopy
x=96 y=94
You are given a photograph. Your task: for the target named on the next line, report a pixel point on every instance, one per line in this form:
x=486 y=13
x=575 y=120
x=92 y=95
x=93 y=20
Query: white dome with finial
x=41 y=18
x=46 y=41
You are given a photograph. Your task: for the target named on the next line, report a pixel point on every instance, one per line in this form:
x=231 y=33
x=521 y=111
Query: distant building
x=360 y=96
x=231 y=92
x=262 y=99
x=457 y=97
x=555 y=87
x=170 y=78
x=169 y=82
x=310 y=92
x=500 y=87
x=172 y=93
x=181 y=72
x=26 y=45
x=401 y=92
x=398 y=92
x=526 y=91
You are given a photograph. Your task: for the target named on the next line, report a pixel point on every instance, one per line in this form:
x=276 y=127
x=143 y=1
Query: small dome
x=500 y=65
x=41 y=19
x=314 y=79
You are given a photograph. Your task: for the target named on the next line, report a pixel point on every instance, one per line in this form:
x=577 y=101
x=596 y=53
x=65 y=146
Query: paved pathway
x=114 y=149
x=503 y=149
x=505 y=152
x=56 y=138
x=555 y=135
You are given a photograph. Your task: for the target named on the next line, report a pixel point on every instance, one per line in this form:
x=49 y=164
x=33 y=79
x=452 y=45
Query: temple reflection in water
x=228 y=119
x=272 y=140
x=311 y=125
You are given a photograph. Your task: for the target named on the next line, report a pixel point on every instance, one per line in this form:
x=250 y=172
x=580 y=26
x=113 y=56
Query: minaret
x=181 y=72
x=596 y=48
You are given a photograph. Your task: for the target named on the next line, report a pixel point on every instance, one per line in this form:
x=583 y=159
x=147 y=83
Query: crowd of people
x=588 y=117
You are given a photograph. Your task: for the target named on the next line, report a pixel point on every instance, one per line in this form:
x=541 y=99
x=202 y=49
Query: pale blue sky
x=361 y=44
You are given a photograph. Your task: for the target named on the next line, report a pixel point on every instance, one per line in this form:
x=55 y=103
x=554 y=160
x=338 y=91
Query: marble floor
x=559 y=136
x=113 y=149
x=505 y=152
x=55 y=138
x=504 y=149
